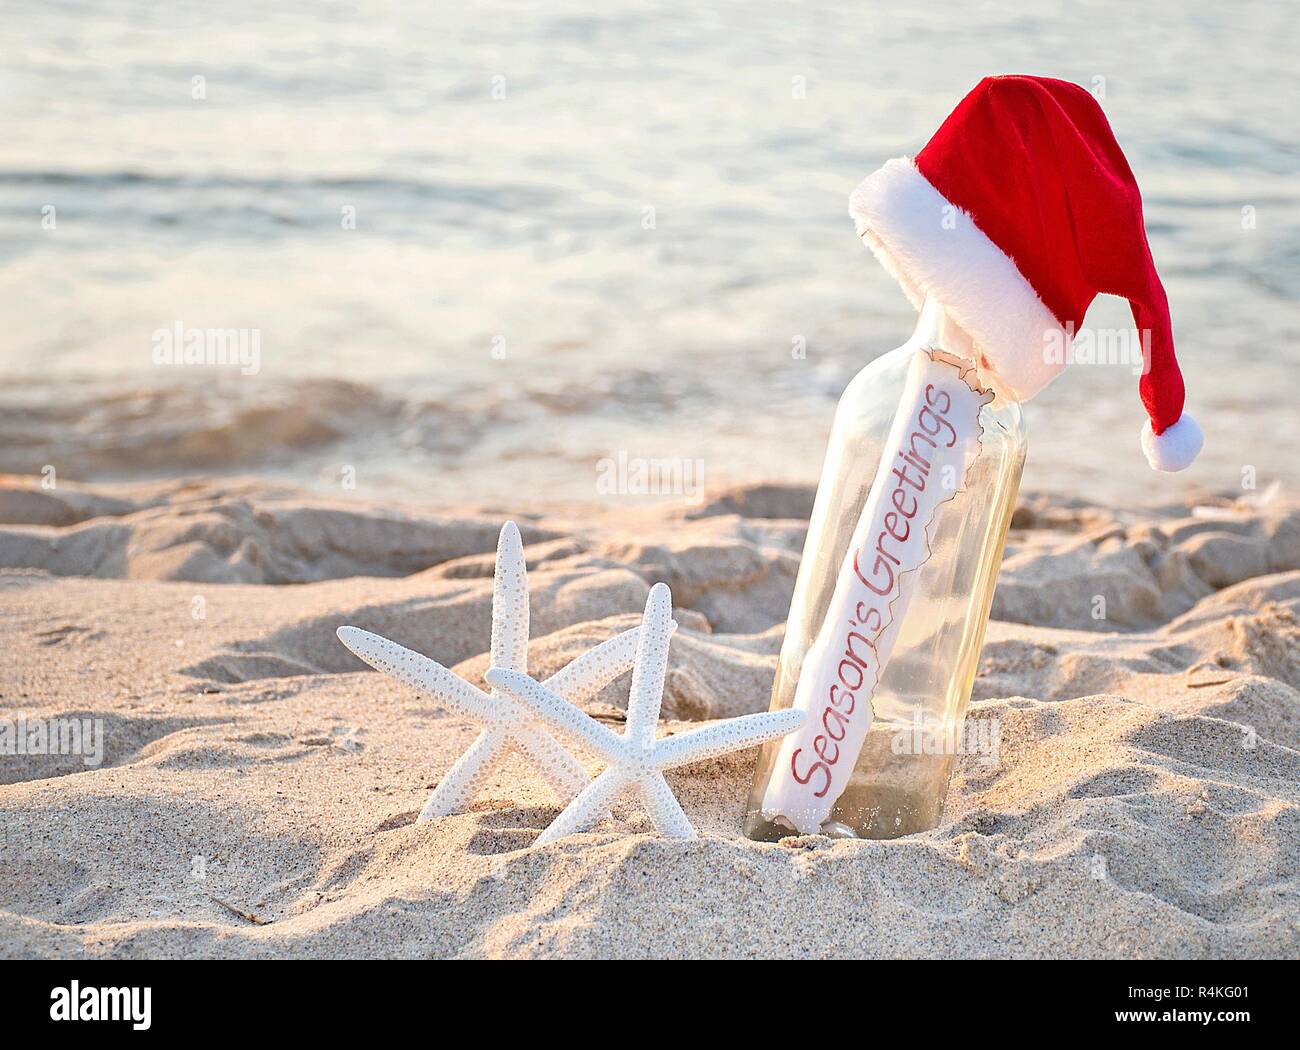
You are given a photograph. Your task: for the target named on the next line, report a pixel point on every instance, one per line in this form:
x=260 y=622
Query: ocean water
x=482 y=250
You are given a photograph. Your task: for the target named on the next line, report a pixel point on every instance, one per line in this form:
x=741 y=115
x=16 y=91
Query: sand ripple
x=258 y=787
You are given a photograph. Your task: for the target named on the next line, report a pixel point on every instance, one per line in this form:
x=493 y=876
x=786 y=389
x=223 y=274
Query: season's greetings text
x=934 y=437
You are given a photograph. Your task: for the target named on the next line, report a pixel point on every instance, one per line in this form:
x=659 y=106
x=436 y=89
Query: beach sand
x=259 y=786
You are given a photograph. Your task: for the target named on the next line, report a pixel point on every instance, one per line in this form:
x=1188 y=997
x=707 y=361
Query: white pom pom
x=1176 y=448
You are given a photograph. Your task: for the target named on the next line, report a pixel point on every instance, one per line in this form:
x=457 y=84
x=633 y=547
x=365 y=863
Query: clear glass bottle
x=899 y=780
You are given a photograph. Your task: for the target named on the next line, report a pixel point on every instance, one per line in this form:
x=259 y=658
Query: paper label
x=934 y=439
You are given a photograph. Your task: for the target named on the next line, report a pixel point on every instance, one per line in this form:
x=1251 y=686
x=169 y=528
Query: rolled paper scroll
x=934 y=439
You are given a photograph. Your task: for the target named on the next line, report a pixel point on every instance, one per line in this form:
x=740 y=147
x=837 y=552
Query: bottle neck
x=936 y=331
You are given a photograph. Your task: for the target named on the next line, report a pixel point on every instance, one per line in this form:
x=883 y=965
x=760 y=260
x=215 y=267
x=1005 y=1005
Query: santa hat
x=1015 y=215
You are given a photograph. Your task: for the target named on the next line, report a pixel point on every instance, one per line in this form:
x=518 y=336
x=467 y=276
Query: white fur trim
x=932 y=247
x=1176 y=448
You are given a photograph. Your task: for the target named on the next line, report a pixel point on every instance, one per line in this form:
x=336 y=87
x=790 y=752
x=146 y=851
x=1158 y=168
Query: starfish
x=507 y=726
x=636 y=759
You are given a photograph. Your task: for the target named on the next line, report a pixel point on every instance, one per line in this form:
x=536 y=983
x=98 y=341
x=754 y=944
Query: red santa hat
x=1015 y=215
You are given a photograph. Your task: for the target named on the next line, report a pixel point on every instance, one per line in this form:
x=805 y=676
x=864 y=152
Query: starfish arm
x=647 y=692
x=663 y=808
x=589 y=673
x=462 y=781
x=560 y=769
x=590 y=805
x=558 y=713
x=510 y=602
x=732 y=735
x=425 y=676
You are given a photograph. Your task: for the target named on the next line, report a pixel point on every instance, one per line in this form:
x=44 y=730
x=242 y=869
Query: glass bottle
x=921 y=642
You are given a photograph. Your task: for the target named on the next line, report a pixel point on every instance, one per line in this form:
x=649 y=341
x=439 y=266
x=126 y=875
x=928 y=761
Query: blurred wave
x=484 y=248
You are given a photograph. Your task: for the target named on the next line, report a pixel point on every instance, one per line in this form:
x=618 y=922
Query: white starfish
x=507 y=725
x=636 y=759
